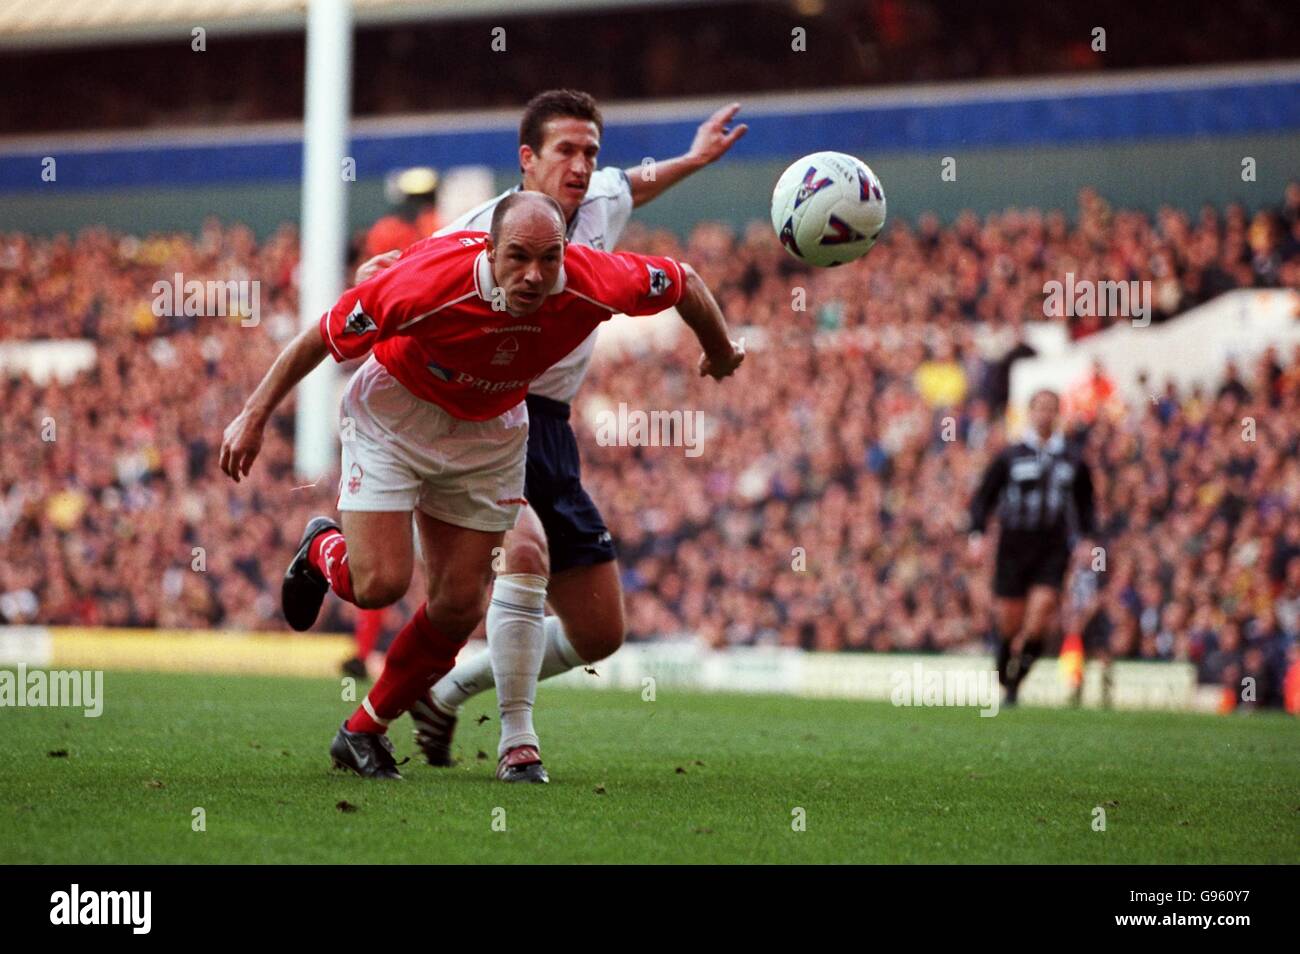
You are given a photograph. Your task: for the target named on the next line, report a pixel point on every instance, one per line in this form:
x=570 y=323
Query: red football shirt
x=430 y=320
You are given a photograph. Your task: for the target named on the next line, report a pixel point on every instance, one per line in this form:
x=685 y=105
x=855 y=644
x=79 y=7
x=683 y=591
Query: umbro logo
x=358 y=322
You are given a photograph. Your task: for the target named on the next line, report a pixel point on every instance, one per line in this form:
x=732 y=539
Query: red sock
x=370 y=623
x=328 y=555
x=419 y=657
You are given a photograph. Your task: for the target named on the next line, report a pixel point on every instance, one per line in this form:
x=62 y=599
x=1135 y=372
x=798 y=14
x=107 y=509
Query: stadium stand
x=634 y=51
x=102 y=514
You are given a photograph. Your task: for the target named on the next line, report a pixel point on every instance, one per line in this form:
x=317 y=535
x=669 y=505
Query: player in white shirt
x=560 y=551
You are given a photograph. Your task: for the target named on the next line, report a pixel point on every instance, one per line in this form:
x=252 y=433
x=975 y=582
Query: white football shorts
x=404 y=453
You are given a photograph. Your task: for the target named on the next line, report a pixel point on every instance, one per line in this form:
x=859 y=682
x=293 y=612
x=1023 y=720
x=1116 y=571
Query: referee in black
x=1042 y=492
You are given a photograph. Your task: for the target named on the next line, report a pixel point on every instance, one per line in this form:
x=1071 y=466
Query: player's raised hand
x=373 y=266
x=713 y=138
x=719 y=368
x=240 y=445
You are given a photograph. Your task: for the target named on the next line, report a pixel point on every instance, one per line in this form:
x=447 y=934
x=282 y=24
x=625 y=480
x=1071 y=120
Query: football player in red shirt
x=457 y=330
x=561 y=534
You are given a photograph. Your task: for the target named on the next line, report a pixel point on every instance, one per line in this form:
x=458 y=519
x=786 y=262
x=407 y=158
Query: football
x=828 y=208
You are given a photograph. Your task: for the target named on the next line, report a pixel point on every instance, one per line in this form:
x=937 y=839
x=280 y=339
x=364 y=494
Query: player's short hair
x=516 y=198
x=1056 y=398
x=556 y=104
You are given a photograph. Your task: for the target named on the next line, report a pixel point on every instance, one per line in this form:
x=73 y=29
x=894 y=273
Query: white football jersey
x=598 y=223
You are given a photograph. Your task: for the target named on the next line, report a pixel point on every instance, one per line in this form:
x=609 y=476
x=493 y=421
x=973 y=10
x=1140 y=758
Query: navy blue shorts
x=1027 y=559
x=575 y=531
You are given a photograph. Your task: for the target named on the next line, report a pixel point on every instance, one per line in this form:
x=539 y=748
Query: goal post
x=323 y=233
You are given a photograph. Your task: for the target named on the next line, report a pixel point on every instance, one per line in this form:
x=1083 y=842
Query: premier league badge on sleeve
x=358 y=323
x=659 y=280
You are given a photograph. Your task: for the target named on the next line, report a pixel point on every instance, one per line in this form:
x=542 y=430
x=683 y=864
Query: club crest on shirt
x=659 y=280
x=506 y=351
x=358 y=322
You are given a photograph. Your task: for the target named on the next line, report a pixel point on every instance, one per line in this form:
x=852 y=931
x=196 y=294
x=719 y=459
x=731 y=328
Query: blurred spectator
x=833 y=448
x=631 y=53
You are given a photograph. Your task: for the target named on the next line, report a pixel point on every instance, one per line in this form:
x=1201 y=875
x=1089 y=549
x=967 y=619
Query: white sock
x=466 y=679
x=474 y=675
x=560 y=655
x=516 y=644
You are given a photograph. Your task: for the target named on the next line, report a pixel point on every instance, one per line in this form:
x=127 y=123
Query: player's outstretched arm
x=699 y=309
x=243 y=436
x=712 y=140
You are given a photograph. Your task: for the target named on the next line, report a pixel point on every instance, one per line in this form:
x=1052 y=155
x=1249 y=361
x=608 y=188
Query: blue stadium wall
x=1141 y=140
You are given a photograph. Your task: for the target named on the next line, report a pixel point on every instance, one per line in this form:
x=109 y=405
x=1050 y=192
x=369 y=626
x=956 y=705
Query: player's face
x=563 y=167
x=1042 y=413
x=527 y=262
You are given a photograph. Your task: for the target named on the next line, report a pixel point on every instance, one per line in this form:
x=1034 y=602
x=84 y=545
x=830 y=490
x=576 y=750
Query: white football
x=828 y=209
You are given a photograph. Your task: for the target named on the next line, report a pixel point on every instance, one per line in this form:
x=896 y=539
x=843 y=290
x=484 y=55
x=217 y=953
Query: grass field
x=687 y=778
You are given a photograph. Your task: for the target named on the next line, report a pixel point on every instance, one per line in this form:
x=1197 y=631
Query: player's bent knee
x=456 y=609
x=598 y=642
x=378 y=595
x=527 y=554
x=377 y=590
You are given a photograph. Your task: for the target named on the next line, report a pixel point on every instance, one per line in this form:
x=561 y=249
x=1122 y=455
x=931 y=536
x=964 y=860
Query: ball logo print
x=828 y=208
x=808 y=188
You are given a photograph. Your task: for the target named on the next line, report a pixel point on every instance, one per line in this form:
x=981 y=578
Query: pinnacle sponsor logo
x=131 y=908
x=490 y=387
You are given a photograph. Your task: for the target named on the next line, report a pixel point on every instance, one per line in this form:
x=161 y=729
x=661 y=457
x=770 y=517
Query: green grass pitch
x=686 y=778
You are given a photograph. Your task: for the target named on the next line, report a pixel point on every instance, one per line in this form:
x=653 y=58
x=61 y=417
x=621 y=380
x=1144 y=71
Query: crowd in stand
x=629 y=53
x=827 y=507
